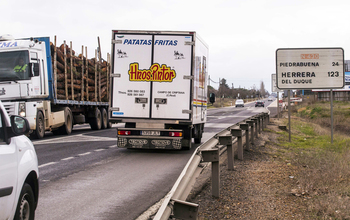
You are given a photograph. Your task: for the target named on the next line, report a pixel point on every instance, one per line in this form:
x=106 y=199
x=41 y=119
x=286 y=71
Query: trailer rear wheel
x=104 y=116
x=187 y=140
x=109 y=124
x=198 y=133
x=96 y=121
x=39 y=132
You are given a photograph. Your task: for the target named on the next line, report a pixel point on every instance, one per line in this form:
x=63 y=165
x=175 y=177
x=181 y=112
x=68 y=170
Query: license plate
x=151 y=133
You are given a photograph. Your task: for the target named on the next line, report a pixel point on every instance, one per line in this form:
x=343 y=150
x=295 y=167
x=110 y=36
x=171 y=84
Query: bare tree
x=262 y=89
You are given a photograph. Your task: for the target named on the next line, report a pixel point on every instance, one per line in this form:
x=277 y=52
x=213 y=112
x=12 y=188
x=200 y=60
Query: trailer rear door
x=130 y=99
x=172 y=100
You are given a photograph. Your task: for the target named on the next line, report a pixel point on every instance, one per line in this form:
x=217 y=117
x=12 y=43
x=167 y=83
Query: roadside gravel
x=260 y=187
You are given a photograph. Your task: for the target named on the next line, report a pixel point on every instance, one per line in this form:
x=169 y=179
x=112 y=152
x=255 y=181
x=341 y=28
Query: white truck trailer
x=158 y=88
x=30 y=79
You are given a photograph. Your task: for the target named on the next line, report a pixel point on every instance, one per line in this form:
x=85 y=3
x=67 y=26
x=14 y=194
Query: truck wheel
x=68 y=124
x=109 y=124
x=40 y=126
x=26 y=204
x=104 y=116
x=187 y=141
x=96 y=121
x=198 y=133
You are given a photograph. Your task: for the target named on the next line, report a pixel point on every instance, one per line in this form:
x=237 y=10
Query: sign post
x=275 y=89
x=309 y=68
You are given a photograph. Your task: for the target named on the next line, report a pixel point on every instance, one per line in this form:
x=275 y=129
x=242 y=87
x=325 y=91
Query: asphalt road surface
x=86 y=176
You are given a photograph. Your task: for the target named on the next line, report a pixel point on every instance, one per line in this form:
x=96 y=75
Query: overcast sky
x=242 y=35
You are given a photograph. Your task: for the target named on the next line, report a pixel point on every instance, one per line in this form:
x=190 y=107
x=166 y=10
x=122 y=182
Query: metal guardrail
x=174 y=204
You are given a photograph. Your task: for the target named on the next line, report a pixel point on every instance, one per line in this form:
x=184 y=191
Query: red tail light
x=124 y=132
x=175 y=134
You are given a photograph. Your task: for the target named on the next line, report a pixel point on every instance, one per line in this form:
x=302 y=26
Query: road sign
x=310 y=68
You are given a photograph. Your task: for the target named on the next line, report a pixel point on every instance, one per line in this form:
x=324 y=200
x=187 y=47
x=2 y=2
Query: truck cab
x=19 y=187
x=23 y=80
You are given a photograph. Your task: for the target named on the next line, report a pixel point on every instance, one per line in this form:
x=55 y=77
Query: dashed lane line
x=46 y=164
x=74 y=138
x=71 y=158
x=68 y=158
x=84 y=154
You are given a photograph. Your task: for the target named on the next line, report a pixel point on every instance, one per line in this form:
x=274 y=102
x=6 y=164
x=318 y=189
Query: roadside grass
x=324 y=168
x=320 y=113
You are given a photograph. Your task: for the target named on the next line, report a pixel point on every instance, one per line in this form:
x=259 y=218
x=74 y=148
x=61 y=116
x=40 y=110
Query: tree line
x=225 y=91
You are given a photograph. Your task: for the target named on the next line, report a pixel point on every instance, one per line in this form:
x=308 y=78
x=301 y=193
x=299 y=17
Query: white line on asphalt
x=113 y=146
x=75 y=138
x=47 y=164
x=84 y=154
x=68 y=158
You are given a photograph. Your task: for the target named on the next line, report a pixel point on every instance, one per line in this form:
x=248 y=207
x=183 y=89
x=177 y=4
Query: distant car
x=270 y=98
x=259 y=103
x=19 y=185
x=239 y=103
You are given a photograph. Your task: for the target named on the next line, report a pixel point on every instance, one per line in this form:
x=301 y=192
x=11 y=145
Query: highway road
x=86 y=176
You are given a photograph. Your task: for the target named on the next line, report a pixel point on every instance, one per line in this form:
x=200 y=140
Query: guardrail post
x=227 y=140
x=264 y=121
x=251 y=124
x=259 y=122
x=246 y=128
x=238 y=133
x=212 y=155
x=255 y=120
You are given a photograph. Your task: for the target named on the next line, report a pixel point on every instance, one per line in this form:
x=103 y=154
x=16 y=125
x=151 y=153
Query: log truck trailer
x=32 y=93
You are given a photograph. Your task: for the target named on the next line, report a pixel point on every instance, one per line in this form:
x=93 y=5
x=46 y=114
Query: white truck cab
x=19 y=187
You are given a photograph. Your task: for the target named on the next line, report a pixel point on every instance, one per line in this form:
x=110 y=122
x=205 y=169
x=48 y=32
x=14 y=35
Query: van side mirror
x=19 y=125
x=34 y=69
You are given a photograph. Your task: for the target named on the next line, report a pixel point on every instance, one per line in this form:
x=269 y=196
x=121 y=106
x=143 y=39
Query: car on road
x=239 y=103
x=270 y=98
x=259 y=103
x=19 y=184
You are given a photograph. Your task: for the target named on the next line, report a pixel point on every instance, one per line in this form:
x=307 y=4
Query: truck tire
x=187 y=141
x=96 y=121
x=26 y=204
x=68 y=124
x=39 y=132
x=198 y=133
x=109 y=124
x=104 y=118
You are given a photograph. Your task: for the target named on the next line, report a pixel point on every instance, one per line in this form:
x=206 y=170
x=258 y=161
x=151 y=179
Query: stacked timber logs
x=78 y=78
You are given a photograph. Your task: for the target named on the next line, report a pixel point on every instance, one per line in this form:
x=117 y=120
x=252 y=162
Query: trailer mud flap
x=149 y=143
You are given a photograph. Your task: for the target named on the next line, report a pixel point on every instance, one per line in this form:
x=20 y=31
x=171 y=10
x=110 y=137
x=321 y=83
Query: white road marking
x=84 y=154
x=98 y=150
x=113 y=146
x=75 y=138
x=68 y=158
x=46 y=164
x=217 y=125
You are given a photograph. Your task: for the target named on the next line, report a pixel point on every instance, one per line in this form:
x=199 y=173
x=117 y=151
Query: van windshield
x=14 y=66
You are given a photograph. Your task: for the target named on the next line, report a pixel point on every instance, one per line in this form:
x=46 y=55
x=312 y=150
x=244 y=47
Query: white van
x=19 y=185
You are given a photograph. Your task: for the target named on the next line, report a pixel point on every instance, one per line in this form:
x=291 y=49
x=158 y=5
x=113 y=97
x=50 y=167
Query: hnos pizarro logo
x=156 y=73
